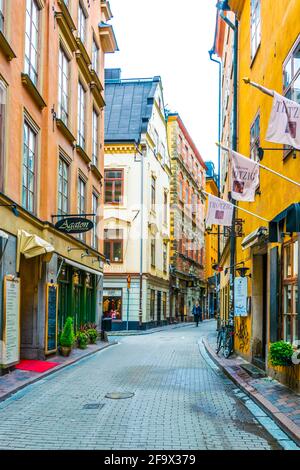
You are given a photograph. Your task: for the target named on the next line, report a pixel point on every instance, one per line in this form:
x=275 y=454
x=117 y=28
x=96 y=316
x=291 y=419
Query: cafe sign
x=74 y=225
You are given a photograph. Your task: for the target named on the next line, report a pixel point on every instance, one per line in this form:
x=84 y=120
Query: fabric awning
x=31 y=245
x=82 y=267
x=253 y=237
x=292 y=216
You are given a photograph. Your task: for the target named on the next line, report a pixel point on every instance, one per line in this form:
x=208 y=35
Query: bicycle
x=225 y=338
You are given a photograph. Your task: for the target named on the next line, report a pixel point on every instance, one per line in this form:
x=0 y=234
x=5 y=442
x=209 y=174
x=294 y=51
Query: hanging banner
x=219 y=212
x=244 y=177
x=284 y=123
x=240 y=296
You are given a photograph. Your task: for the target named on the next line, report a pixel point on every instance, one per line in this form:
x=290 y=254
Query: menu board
x=240 y=296
x=10 y=347
x=51 y=318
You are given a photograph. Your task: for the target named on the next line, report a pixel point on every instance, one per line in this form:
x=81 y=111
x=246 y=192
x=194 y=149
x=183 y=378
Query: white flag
x=219 y=212
x=284 y=124
x=244 y=177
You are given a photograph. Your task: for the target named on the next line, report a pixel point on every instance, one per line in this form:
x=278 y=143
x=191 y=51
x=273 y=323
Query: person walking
x=199 y=312
x=195 y=312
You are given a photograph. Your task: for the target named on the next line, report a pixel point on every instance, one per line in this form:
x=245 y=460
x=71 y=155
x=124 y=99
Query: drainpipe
x=142 y=155
x=234 y=27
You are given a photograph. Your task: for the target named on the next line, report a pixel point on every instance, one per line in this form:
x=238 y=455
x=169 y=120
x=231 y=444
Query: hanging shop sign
x=74 y=225
x=10 y=346
x=240 y=296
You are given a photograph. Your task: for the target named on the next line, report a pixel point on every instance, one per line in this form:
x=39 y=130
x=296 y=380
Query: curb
x=290 y=428
x=53 y=370
x=120 y=333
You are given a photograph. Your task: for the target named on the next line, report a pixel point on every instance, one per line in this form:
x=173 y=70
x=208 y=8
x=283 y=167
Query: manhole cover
x=119 y=395
x=93 y=406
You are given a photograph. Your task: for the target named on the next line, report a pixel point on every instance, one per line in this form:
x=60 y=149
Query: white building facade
x=136 y=204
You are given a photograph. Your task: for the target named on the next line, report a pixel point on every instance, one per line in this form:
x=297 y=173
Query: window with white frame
x=32 y=40
x=94 y=211
x=290 y=292
x=95 y=56
x=29 y=167
x=255 y=138
x=63 y=87
x=81 y=201
x=95 y=138
x=81 y=23
x=255 y=27
x=63 y=187
x=2 y=16
x=81 y=116
x=291 y=74
x=3 y=93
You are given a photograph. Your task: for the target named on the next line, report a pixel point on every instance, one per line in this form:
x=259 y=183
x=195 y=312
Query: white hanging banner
x=219 y=212
x=240 y=296
x=284 y=123
x=244 y=177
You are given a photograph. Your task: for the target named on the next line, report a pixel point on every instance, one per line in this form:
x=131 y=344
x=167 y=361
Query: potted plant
x=82 y=339
x=281 y=353
x=67 y=337
x=92 y=335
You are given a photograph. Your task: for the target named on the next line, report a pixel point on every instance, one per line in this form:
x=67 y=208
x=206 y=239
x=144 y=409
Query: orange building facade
x=51 y=165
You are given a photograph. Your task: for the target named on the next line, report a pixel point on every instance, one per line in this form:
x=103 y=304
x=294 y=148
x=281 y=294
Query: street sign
x=74 y=225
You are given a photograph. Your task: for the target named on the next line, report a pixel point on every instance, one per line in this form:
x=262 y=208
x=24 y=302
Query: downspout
x=141 y=235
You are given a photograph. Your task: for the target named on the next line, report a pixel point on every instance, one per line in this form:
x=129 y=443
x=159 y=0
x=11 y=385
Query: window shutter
x=274 y=294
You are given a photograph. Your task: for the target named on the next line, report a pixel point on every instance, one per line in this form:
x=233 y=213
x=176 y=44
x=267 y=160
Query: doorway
x=259 y=310
x=158 y=307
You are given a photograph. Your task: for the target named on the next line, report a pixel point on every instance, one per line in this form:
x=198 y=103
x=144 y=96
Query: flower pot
x=65 y=350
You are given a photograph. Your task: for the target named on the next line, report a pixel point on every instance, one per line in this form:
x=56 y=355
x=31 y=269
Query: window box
x=83 y=154
x=5 y=47
x=33 y=91
x=67 y=32
x=65 y=131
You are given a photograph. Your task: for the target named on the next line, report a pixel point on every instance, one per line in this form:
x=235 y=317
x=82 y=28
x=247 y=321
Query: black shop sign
x=74 y=225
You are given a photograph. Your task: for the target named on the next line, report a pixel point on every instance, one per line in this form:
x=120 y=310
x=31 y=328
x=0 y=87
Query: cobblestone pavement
x=179 y=402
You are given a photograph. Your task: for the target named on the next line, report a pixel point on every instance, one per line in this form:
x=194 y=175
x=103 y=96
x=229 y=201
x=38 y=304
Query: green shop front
x=78 y=293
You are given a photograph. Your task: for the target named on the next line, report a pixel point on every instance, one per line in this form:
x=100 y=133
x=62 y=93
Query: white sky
x=171 y=38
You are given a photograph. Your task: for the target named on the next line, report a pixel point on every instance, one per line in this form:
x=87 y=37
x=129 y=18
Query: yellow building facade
x=269 y=51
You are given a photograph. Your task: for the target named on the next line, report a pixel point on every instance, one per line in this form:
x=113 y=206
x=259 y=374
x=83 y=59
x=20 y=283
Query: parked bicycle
x=225 y=338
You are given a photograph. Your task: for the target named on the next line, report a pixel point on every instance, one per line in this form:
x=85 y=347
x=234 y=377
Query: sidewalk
x=17 y=379
x=277 y=400
x=148 y=332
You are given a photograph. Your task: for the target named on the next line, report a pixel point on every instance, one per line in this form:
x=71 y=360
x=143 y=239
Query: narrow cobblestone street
x=179 y=402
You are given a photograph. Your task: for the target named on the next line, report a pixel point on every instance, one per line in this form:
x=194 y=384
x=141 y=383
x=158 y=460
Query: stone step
x=253 y=371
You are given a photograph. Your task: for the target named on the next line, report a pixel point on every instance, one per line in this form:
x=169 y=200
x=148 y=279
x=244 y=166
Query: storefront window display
x=290 y=292
x=112 y=304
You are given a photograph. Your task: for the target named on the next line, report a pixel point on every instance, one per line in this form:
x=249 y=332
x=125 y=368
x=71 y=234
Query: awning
x=31 y=245
x=82 y=267
x=292 y=216
x=254 y=237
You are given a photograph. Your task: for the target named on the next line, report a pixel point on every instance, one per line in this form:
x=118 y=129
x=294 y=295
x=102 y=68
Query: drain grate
x=93 y=406
x=119 y=395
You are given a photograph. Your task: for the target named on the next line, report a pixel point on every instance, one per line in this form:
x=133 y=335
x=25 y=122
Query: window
x=2 y=17
x=165 y=207
x=2 y=132
x=180 y=190
x=81 y=116
x=255 y=138
x=152 y=304
x=255 y=27
x=291 y=74
x=187 y=194
x=165 y=257
x=113 y=245
x=31 y=40
x=63 y=187
x=81 y=202
x=95 y=56
x=290 y=292
x=29 y=168
x=95 y=138
x=113 y=186
x=63 y=87
x=156 y=140
x=94 y=211
x=153 y=252
x=112 y=304
x=153 y=192
x=81 y=23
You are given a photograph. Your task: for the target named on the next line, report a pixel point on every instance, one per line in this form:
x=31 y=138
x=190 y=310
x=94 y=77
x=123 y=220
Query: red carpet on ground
x=36 y=366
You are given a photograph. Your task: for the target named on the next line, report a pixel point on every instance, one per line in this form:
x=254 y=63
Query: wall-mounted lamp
x=13 y=208
x=243 y=271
